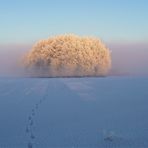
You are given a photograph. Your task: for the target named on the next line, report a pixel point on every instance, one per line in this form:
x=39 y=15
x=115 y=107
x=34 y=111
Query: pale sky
x=25 y=21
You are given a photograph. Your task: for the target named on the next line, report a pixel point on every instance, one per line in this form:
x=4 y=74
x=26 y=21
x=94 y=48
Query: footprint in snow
x=30 y=145
x=29 y=127
x=32 y=136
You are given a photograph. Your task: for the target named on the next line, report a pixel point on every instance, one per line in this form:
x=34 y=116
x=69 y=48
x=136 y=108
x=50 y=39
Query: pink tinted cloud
x=129 y=58
x=10 y=58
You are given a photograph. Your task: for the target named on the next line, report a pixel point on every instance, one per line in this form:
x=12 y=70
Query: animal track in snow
x=30 y=131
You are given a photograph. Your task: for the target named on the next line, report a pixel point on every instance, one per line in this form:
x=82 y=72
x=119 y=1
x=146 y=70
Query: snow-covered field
x=74 y=112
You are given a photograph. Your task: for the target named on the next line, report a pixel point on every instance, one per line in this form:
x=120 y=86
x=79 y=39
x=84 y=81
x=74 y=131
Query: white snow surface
x=74 y=112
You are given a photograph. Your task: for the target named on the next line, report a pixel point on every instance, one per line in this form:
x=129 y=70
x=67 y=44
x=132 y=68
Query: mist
x=127 y=59
x=11 y=59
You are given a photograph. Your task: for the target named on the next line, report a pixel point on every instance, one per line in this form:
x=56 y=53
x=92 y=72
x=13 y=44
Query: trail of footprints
x=30 y=127
x=109 y=137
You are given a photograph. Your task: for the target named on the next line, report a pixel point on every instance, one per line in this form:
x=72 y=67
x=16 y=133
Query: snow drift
x=68 y=55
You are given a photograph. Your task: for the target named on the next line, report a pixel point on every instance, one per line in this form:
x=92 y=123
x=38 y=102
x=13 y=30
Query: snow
x=74 y=112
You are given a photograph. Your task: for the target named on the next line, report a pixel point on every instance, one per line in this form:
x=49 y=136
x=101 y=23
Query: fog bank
x=127 y=59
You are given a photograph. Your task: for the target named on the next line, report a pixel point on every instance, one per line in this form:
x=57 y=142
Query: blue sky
x=25 y=21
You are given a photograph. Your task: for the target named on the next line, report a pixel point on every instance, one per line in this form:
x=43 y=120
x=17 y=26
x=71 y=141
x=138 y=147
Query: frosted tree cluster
x=68 y=55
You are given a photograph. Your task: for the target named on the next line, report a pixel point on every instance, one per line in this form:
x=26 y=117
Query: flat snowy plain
x=74 y=112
